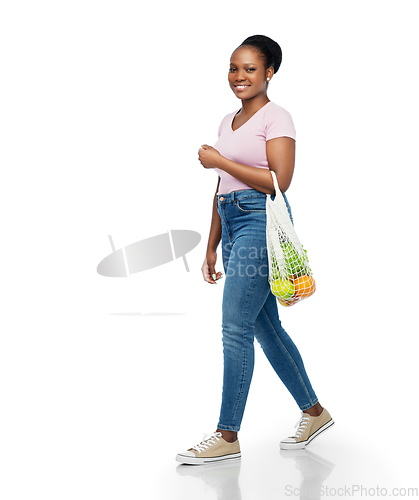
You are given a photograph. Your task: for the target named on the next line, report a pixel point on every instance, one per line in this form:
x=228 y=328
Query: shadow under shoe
x=223 y=477
x=314 y=470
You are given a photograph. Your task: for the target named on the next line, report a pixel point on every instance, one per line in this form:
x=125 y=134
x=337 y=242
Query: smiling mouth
x=241 y=87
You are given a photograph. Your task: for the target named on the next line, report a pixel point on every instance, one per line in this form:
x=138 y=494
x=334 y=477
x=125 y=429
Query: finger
x=219 y=275
x=213 y=275
x=206 y=273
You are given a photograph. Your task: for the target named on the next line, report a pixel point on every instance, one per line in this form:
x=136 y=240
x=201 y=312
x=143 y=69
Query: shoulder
x=229 y=116
x=226 y=120
x=274 y=111
x=278 y=122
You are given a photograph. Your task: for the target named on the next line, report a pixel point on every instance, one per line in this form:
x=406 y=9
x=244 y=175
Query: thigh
x=243 y=236
x=246 y=285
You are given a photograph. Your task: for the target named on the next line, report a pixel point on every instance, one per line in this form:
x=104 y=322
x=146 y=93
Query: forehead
x=246 y=55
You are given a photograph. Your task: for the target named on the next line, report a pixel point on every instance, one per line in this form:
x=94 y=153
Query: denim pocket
x=254 y=204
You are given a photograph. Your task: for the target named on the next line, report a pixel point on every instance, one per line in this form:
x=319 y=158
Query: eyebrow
x=245 y=64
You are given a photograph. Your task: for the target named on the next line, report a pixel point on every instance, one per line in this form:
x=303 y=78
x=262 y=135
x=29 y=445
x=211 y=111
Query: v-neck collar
x=238 y=111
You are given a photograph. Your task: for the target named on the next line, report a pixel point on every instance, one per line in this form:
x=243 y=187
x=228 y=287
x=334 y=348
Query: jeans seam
x=289 y=357
x=231 y=226
x=240 y=393
x=227 y=223
x=245 y=362
x=241 y=210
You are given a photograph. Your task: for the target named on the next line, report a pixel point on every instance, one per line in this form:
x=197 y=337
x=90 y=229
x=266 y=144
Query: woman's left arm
x=280 y=153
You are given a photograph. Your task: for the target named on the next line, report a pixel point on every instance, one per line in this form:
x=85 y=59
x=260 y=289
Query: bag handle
x=278 y=193
x=277 y=190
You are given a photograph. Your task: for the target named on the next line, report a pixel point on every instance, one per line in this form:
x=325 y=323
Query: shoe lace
x=207 y=441
x=302 y=424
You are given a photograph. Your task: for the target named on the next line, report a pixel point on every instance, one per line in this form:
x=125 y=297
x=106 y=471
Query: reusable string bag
x=290 y=276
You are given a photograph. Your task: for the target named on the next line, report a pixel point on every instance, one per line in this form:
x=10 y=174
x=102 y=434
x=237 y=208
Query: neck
x=250 y=106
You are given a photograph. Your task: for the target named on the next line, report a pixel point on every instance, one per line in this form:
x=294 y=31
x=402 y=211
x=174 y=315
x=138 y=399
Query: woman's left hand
x=208 y=156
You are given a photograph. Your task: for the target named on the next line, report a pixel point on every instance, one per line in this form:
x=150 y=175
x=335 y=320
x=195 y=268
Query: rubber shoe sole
x=303 y=444
x=191 y=460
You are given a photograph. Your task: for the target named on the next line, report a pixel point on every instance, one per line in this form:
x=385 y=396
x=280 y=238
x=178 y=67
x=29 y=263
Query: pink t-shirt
x=247 y=144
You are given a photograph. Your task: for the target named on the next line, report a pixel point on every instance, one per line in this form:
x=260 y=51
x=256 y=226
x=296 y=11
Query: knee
x=237 y=336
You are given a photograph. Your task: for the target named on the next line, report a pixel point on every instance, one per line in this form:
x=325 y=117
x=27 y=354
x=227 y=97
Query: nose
x=240 y=76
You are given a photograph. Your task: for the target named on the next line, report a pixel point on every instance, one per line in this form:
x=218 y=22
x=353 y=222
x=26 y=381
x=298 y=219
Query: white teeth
x=241 y=86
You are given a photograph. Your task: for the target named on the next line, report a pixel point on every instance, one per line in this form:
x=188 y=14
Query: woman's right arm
x=214 y=238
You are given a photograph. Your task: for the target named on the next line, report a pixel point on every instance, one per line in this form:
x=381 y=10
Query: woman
x=252 y=141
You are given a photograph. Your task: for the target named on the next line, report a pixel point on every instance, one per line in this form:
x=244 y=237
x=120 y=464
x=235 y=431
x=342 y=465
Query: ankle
x=315 y=411
x=229 y=436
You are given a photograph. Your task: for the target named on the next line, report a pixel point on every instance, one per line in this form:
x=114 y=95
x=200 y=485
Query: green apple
x=282 y=288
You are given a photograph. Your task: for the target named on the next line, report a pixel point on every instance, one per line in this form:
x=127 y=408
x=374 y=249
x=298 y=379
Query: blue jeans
x=250 y=309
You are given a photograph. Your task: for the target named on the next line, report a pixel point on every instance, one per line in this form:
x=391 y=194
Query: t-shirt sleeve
x=279 y=124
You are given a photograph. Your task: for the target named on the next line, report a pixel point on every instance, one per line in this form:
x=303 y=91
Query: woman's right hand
x=208 y=268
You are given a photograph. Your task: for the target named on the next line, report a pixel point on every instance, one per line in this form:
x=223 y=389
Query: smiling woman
x=252 y=142
x=251 y=69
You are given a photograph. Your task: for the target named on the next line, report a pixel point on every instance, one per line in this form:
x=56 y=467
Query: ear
x=269 y=73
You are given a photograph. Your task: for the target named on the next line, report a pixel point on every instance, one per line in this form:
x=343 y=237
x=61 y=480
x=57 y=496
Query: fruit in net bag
x=288 y=302
x=304 y=286
x=275 y=269
x=293 y=261
x=282 y=288
x=290 y=275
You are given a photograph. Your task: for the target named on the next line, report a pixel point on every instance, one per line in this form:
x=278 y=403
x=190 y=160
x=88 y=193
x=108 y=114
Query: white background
x=103 y=108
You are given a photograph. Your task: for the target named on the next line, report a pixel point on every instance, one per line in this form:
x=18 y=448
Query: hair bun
x=270 y=49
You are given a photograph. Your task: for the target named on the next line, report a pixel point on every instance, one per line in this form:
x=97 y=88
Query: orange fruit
x=304 y=286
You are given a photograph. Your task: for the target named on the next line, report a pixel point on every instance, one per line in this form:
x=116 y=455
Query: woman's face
x=247 y=74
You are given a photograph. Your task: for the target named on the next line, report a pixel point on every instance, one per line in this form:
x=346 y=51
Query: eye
x=251 y=69
x=232 y=70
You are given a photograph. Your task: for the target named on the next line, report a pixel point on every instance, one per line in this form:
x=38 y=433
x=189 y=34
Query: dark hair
x=270 y=50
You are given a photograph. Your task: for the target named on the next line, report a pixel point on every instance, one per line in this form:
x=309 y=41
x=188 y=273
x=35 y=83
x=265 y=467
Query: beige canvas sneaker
x=308 y=429
x=211 y=449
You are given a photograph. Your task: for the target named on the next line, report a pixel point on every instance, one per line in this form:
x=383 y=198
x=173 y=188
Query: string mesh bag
x=290 y=276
